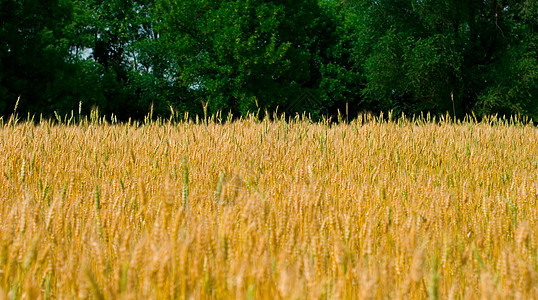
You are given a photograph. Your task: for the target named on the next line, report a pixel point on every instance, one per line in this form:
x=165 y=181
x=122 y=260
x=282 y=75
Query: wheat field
x=260 y=209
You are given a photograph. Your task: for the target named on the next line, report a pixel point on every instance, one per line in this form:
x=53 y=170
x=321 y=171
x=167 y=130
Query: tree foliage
x=456 y=56
x=243 y=55
x=239 y=56
x=34 y=54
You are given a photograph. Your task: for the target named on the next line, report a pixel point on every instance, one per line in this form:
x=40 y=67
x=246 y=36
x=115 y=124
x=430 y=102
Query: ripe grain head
x=369 y=209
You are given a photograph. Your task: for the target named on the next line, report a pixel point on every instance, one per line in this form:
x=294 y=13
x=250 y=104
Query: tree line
x=240 y=56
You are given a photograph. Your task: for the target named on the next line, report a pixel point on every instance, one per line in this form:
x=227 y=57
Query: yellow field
x=269 y=210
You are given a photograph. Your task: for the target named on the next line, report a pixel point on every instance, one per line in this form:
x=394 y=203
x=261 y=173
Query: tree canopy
x=240 y=56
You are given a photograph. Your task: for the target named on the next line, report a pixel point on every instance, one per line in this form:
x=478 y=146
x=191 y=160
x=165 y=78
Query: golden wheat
x=269 y=209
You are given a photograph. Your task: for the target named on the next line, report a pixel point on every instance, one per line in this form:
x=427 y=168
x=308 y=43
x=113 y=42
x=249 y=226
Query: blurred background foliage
x=314 y=56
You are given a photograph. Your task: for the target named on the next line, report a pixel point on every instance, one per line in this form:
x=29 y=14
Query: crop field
x=259 y=209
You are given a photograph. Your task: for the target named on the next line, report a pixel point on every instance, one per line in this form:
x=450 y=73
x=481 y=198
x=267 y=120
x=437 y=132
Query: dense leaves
x=243 y=55
x=317 y=56
x=456 y=56
x=33 y=54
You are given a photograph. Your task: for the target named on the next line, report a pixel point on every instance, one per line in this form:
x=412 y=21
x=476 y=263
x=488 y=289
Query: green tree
x=243 y=55
x=34 y=55
x=440 y=56
x=117 y=40
x=342 y=79
x=513 y=78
